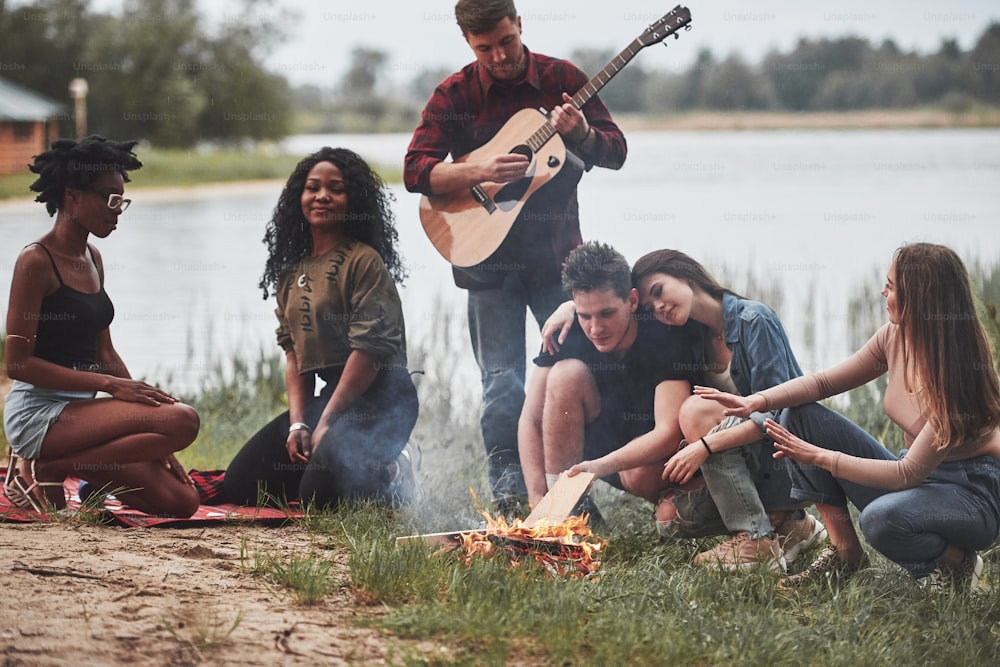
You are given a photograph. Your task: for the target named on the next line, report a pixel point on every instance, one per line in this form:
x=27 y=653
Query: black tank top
x=69 y=322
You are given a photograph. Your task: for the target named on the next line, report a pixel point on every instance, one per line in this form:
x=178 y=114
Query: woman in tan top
x=333 y=267
x=938 y=503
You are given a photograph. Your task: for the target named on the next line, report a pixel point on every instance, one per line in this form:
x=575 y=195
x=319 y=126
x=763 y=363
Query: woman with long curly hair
x=938 y=503
x=333 y=266
x=59 y=353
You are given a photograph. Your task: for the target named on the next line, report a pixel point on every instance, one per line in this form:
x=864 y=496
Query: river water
x=817 y=212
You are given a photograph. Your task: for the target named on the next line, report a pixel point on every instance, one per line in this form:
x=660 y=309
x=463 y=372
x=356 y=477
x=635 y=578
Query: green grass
x=305 y=576
x=646 y=605
x=234 y=401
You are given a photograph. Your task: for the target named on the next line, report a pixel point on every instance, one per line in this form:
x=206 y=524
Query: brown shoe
x=961 y=578
x=829 y=566
x=742 y=552
x=797 y=535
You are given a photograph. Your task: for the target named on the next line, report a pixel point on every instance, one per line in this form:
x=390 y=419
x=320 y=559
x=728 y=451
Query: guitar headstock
x=671 y=22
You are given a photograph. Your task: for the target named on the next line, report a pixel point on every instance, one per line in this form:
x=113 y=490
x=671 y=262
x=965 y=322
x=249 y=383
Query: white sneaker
x=797 y=535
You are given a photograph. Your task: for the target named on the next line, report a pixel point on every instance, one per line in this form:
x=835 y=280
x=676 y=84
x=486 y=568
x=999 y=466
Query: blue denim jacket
x=762 y=357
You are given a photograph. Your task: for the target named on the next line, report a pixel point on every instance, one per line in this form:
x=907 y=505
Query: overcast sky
x=422 y=33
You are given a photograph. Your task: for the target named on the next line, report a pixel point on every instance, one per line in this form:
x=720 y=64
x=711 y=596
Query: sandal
x=20 y=493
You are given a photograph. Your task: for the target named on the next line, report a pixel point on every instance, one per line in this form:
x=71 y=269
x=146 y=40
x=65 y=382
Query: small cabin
x=28 y=125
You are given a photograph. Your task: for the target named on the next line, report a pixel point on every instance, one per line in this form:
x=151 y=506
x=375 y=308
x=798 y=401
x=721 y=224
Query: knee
x=567 y=374
x=698 y=416
x=184 y=424
x=880 y=522
x=666 y=510
x=569 y=380
x=795 y=418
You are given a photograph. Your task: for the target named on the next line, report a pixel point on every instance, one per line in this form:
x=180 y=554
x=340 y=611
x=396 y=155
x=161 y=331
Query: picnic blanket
x=213 y=507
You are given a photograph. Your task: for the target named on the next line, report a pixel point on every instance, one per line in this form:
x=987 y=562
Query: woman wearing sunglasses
x=60 y=355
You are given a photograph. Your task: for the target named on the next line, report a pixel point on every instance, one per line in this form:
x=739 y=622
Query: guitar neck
x=589 y=90
x=616 y=65
x=673 y=21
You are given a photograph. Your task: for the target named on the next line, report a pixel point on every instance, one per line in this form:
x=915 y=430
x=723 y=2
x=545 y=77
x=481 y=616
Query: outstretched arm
x=652 y=448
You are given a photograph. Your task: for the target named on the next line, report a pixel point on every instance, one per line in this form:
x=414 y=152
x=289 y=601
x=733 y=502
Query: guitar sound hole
x=522 y=150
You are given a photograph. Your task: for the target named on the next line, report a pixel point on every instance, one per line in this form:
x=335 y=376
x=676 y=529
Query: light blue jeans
x=958 y=503
x=497 y=330
x=745 y=482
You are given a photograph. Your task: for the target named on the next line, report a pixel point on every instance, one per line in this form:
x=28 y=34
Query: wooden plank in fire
x=557 y=505
x=554 y=508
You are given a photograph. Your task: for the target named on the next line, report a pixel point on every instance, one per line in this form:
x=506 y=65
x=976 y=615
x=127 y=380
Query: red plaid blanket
x=213 y=507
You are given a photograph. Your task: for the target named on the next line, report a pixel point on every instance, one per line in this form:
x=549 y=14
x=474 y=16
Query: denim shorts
x=28 y=413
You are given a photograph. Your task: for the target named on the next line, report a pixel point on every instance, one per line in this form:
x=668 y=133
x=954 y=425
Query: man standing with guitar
x=463 y=114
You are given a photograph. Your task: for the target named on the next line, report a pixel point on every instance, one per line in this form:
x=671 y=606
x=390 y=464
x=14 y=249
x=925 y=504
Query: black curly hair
x=369 y=217
x=75 y=164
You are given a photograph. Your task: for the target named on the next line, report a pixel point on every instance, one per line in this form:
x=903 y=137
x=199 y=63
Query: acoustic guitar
x=467 y=226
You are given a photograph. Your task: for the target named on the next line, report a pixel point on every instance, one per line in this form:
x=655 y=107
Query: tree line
x=156 y=71
x=159 y=71
x=848 y=73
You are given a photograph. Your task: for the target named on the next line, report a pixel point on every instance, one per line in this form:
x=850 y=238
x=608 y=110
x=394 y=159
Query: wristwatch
x=299 y=426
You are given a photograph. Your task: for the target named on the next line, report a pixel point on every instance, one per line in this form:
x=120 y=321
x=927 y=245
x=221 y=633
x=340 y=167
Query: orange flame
x=566 y=548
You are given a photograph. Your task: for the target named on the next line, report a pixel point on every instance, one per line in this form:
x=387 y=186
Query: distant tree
x=732 y=85
x=662 y=91
x=144 y=90
x=799 y=74
x=358 y=86
x=691 y=94
x=41 y=43
x=424 y=83
x=244 y=100
x=944 y=76
x=985 y=60
x=363 y=73
x=624 y=92
x=154 y=72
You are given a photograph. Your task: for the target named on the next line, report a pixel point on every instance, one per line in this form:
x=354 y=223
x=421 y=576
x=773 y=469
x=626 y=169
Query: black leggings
x=351 y=463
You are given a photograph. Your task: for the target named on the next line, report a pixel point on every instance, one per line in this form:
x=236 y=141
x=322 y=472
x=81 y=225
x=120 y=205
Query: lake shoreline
x=703 y=121
x=877 y=119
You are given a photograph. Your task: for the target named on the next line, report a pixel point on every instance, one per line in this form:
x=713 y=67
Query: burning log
x=550 y=536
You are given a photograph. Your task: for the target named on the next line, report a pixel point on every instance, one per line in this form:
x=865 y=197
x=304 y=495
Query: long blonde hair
x=946 y=350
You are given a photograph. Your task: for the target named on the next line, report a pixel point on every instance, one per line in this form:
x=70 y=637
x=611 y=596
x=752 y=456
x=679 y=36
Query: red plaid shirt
x=466 y=110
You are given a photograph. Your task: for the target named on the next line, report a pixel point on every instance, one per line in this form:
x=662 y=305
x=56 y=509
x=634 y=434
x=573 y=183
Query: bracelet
x=707 y=448
x=299 y=426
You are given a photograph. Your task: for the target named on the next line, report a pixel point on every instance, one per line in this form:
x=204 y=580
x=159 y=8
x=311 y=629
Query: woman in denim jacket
x=746 y=350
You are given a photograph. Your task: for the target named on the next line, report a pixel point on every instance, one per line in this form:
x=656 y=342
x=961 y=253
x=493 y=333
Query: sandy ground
x=89 y=595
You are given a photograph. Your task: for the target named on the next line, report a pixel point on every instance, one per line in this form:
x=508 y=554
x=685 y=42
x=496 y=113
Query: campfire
x=564 y=548
x=562 y=543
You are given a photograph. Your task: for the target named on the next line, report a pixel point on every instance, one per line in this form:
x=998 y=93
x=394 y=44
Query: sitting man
x=607 y=401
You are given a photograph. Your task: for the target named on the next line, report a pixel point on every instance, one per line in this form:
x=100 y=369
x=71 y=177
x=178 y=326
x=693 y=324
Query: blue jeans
x=958 y=503
x=496 y=327
x=745 y=482
x=350 y=463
